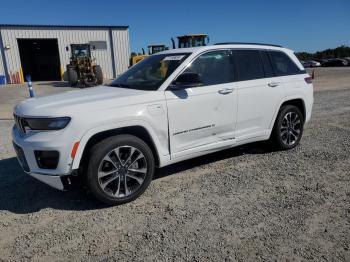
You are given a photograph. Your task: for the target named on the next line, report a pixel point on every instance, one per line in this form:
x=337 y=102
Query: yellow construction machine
x=152 y=49
x=191 y=40
x=137 y=58
x=82 y=69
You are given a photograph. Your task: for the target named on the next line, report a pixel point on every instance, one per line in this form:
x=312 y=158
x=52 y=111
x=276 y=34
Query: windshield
x=156 y=49
x=199 y=41
x=80 y=51
x=191 y=41
x=150 y=73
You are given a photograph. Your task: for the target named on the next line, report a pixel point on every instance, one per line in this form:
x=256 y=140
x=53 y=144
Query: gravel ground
x=246 y=203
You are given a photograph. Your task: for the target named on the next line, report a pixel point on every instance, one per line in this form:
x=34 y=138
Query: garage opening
x=40 y=59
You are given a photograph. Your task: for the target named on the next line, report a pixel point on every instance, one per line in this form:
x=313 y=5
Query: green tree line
x=339 y=52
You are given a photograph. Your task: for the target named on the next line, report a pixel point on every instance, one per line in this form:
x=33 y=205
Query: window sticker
x=172 y=58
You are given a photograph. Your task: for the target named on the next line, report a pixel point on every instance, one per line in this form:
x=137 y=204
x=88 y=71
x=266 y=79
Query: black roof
x=70 y=26
x=243 y=43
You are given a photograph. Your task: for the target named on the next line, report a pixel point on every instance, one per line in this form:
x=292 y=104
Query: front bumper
x=58 y=182
x=55 y=181
x=30 y=142
x=25 y=146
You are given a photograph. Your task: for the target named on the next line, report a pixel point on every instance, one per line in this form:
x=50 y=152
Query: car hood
x=70 y=102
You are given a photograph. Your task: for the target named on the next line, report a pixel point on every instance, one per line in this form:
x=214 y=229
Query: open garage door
x=40 y=59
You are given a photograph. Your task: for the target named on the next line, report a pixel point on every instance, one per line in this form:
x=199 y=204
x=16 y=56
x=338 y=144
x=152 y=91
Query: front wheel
x=120 y=169
x=288 y=128
x=72 y=76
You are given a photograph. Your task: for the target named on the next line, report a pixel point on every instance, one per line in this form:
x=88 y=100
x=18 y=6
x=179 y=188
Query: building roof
x=69 y=26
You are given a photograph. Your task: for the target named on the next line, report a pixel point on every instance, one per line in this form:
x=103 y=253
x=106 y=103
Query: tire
x=89 y=80
x=111 y=180
x=288 y=128
x=72 y=76
x=98 y=75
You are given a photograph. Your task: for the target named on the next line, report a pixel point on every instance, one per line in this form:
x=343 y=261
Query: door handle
x=273 y=84
x=225 y=91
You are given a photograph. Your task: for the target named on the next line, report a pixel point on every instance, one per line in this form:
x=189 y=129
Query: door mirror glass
x=186 y=80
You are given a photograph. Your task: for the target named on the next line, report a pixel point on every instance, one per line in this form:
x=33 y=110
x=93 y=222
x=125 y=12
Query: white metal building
x=43 y=51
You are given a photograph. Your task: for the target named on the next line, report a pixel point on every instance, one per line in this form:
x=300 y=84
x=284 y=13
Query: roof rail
x=242 y=43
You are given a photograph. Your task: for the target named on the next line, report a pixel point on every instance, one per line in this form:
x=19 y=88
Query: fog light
x=46 y=159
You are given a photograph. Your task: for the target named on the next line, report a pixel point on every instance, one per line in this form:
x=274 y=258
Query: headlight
x=47 y=123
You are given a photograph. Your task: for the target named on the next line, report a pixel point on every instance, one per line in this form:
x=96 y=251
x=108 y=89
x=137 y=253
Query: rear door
x=205 y=114
x=259 y=92
x=291 y=76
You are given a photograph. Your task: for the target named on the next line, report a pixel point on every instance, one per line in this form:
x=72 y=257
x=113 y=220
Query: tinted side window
x=213 y=67
x=267 y=64
x=248 y=65
x=282 y=64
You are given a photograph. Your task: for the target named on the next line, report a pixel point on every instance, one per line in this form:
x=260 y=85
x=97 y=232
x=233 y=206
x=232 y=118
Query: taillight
x=308 y=80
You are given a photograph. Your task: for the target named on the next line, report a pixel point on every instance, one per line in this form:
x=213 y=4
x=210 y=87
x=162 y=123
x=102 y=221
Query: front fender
x=160 y=146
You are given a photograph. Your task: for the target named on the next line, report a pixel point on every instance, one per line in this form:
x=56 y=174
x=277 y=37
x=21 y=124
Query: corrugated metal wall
x=1 y=65
x=65 y=37
x=121 y=50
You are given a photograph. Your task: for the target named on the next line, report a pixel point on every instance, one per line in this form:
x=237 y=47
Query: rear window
x=248 y=65
x=282 y=64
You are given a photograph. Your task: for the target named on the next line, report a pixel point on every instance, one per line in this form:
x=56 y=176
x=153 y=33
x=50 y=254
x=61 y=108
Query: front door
x=204 y=114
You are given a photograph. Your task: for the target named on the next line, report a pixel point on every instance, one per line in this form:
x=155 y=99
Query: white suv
x=172 y=106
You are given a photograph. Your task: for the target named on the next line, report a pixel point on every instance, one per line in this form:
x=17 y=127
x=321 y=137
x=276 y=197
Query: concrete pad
x=11 y=95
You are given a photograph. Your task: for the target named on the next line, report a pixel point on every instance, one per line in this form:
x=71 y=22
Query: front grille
x=20 y=123
x=21 y=157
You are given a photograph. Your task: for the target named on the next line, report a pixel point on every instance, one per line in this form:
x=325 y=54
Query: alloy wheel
x=122 y=171
x=290 y=128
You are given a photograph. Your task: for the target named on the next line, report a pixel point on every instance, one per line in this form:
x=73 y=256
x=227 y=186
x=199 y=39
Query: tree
x=339 y=52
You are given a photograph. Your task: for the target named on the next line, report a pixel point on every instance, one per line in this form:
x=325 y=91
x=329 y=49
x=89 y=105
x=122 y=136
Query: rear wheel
x=120 y=169
x=288 y=128
x=72 y=76
x=98 y=74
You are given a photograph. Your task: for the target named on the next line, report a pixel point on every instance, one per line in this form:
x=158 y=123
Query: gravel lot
x=246 y=203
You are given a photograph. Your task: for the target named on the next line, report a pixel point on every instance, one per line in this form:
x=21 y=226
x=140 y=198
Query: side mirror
x=67 y=48
x=186 y=80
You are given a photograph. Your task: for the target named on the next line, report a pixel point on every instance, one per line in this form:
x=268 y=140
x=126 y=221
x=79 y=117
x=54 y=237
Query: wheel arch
x=136 y=130
x=275 y=137
x=297 y=102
